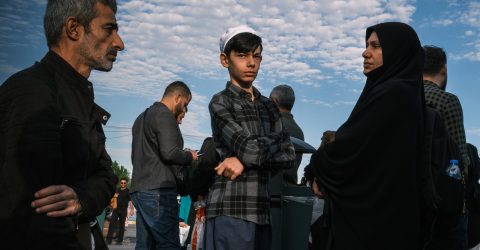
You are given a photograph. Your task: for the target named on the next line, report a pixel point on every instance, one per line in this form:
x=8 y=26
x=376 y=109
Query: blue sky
x=314 y=46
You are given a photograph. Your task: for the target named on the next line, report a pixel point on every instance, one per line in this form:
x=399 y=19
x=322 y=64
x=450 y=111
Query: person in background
x=284 y=97
x=157 y=147
x=450 y=230
x=55 y=171
x=367 y=169
x=119 y=214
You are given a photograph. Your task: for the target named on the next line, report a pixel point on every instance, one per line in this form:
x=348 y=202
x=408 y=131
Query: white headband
x=231 y=32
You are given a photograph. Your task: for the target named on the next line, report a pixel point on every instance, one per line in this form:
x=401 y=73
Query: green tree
x=121 y=172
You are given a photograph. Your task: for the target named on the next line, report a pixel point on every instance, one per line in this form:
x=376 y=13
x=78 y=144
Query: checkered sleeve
x=453 y=116
x=253 y=151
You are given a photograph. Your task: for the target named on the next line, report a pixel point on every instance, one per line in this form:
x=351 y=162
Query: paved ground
x=128 y=238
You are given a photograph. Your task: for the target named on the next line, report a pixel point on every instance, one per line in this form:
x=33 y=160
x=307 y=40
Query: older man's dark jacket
x=50 y=134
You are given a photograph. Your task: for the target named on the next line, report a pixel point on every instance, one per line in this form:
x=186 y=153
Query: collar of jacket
x=61 y=68
x=430 y=83
x=64 y=73
x=237 y=91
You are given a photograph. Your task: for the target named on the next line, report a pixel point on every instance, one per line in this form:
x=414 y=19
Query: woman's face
x=372 y=56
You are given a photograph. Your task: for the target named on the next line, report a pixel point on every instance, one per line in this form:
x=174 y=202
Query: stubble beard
x=88 y=50
x=178 y=110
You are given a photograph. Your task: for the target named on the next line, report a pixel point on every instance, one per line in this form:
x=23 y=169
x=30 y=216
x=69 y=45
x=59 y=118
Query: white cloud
x=303 y=41
x=472 y=15
x=443 y=22
x=468 y=14
x=473 y=131
x=327 y=104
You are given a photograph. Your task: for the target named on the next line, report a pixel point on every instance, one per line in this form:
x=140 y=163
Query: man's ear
x=224 y=60
x=177 y=99
x=274 y=100
x=73 y=29
x=443 y=71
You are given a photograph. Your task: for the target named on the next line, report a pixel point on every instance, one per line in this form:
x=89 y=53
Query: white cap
x=231 y=32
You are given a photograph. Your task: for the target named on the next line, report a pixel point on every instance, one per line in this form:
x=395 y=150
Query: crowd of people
x=57 y=177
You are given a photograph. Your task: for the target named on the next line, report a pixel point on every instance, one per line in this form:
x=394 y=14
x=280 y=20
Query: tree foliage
x=121 y=172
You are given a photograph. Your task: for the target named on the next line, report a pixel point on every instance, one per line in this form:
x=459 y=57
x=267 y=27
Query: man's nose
x=117 y=42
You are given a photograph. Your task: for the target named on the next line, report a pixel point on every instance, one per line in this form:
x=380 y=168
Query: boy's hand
x=316 y=190
x=230 y=168
x=328 y=137
x=194 y=154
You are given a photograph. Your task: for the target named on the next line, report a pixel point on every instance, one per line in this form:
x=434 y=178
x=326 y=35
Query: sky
x=313 y=46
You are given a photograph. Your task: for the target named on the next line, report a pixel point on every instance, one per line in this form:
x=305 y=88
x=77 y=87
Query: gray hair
x=283 y=96
x=58 y=11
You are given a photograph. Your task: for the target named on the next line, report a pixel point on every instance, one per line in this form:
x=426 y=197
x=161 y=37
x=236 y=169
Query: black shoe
x=119 y=242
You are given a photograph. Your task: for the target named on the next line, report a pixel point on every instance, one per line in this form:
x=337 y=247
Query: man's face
x=181 y=107
x=123 y=184
x=100 y=45
x=372 y=56
x=180 y=117
x=243 y=67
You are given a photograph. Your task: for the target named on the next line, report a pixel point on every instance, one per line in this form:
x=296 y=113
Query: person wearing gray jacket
x=157 y=147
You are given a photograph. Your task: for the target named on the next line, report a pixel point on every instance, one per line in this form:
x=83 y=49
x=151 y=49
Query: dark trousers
x=228 y=233
x=118 y=218
x=450 y=233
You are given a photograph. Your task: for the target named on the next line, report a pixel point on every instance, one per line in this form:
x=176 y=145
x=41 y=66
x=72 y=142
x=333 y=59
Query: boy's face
x=243 y=67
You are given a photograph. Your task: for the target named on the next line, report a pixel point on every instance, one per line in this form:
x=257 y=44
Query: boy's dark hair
x=123 y=179
x=177 y=87
x=243 y=43
x=284 y=96
x=435 y=59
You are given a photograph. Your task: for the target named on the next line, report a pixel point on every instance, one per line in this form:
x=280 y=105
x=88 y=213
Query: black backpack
x=473 y=182
x=197 y=179
x=440 y=194
x=473 y=197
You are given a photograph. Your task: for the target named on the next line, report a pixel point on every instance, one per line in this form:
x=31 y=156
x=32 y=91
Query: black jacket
x=157 y=147
x=50 y=134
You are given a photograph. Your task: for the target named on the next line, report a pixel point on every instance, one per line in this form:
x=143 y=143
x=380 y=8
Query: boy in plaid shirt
x=251 y=141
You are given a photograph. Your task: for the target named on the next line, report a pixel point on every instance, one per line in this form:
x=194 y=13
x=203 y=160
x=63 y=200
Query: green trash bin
x=297 y=216
x=290 y=208
x=291 y=214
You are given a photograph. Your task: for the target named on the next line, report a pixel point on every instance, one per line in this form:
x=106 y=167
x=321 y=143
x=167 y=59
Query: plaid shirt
x=253 y=132
x=451 y=110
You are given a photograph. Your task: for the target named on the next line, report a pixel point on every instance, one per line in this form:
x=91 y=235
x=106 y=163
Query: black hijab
x=369 y=172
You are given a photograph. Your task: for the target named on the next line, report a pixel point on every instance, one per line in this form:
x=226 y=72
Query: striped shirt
x=253 y=132
x=449 y=106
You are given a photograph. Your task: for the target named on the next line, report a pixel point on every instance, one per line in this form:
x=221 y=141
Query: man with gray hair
x=55 y=173
x=284 y=97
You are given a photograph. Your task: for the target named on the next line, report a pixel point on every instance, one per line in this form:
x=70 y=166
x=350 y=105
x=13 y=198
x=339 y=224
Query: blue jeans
x=157 y=219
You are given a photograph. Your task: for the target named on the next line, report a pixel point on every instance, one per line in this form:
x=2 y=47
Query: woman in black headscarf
x=367 y=169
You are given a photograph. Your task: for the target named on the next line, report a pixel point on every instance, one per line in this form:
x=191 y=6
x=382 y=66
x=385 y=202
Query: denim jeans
x=157 y=219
